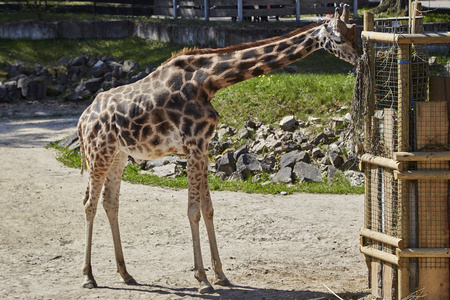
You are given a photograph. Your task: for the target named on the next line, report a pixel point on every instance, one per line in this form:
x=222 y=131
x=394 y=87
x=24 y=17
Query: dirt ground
x=272 y=246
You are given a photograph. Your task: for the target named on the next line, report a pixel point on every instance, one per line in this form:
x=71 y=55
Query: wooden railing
x=239 y=10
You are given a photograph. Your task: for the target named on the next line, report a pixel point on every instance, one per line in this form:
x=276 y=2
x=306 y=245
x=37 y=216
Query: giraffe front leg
x=208 y=214
x=111 y=206
x=194 y=194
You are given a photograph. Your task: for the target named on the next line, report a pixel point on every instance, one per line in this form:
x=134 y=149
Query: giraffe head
x=340 y=37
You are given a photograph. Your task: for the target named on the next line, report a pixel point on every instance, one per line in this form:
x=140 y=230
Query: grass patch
x=339 y=185
x=48 y=52
x=269 y=98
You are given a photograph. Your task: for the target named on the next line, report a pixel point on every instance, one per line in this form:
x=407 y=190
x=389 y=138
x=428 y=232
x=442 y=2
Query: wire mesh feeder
x=406 y=161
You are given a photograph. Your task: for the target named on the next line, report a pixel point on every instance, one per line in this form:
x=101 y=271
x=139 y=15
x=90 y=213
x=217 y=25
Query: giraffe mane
x=196 y=51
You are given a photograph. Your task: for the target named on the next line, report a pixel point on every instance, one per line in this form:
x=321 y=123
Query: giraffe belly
x=153 y=147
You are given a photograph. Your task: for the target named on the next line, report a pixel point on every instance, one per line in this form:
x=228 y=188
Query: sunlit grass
x=271 y=97
x=133 y=174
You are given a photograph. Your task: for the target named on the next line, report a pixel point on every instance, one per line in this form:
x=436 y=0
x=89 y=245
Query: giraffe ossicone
x=169 y=112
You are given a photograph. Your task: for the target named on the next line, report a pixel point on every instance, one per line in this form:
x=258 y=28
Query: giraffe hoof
x=223 y=282
x=205 y=288
x=129 y=280
x=90 y=284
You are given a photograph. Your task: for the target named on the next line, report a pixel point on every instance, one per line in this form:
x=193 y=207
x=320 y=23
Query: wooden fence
x=239 y=10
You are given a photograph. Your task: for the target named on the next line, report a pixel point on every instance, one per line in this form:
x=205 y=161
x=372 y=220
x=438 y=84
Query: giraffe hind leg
x=90 y=209
x=111 y=206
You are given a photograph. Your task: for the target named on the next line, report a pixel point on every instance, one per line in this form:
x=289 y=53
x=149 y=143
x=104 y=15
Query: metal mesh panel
x=419 y=124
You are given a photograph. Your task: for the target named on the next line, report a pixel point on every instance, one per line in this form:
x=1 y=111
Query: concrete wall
x=185 y=34
x=193 y=34
x=66 y=30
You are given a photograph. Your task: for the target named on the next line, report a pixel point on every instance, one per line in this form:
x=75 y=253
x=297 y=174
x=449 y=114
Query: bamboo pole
x=424 y=252
x=378 y=254
x=422 y=175
x=422 y=156
x=381 y=237
x=382 y=161
x=403 y=70
x=368 y=26
x=424 y=38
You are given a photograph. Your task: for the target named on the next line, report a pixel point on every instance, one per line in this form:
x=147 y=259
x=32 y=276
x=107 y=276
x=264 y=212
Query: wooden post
x=404 y=97
x=369 y=170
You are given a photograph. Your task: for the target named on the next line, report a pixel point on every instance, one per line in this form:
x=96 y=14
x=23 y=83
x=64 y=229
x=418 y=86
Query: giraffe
x=170 y=112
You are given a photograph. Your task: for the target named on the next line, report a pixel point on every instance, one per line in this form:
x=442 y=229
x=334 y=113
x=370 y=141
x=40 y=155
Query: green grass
x=48 y=52
x=269 y=98
x=132 y=174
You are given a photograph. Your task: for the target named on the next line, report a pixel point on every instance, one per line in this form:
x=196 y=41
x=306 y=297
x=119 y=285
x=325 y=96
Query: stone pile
x=77 y=79
x=288 y=154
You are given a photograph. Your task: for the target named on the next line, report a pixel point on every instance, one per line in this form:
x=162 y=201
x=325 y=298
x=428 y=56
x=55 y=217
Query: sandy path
x=273 y=247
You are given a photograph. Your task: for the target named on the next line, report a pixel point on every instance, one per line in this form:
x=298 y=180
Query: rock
x=250 y=124
x=350 y=164
x=73 y=97
x=224 y=132
x=313 y=120
x=99 y=69
x=291 y=158
x=320 y=138
x=33 y=88
x=63 y=60
x=288 y=123
x=243 y=133
x=248 y=164
x=356 y=178
x=3 y=94
x=307 y=173
x=226 y=163
x=236 y=176
x=258 y=146
x=240 y=151
x=149 y=164
x=222 y=175
x=78 y=61
x=66 y=142
x=290 y=146
x=317 y=153
x=272 y=142
x=94 y=84
x=130 y=65
x=284 y=175
x=337 y=123
x=348 y=118
x=335 y=159
x=331 y=172
x=299 y=137
x=269 y=160
x=165 y=170
x=250 y=161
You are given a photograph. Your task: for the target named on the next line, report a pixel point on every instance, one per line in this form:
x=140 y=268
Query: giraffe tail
x=83 y=157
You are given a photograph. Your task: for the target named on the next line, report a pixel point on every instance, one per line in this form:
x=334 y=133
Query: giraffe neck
x=216 y=69
x=255 y=60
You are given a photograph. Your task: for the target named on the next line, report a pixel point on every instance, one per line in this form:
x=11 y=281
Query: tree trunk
x=395 y=6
